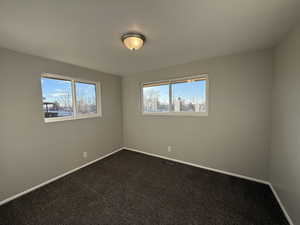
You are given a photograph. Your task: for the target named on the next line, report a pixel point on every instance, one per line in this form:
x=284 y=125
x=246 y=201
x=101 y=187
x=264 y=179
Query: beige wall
x=285 y=150
x=32 y=151
x=234 y=137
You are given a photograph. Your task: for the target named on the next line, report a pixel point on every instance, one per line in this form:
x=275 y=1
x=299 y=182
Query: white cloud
x=58 y=94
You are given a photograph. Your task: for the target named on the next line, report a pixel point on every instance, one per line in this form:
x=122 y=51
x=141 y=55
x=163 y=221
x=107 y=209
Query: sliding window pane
x=86 y=100
x=156 y=98
x=189 y=96
x=57 y=97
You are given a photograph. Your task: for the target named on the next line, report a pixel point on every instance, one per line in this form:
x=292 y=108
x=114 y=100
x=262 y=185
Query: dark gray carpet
x=135 y=189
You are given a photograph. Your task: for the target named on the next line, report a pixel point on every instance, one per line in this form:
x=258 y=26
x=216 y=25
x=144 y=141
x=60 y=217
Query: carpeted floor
x=135 y=189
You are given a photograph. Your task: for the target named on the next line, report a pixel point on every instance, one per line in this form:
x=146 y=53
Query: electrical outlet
x=169 y=148
x=84 y=154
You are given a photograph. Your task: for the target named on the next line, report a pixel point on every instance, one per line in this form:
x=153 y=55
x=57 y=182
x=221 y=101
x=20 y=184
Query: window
x=156 y=98
x=68 y=99
x=86 y=98
x=185 y=96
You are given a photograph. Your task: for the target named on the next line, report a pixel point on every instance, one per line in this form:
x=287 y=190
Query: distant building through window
x=186 y=96
x=67 y=98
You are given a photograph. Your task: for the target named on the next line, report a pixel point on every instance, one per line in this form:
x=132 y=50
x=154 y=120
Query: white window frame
x=75 y=115
x=170 y=113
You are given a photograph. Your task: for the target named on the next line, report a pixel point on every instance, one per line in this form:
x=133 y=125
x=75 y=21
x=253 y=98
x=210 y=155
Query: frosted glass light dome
x=133 y=41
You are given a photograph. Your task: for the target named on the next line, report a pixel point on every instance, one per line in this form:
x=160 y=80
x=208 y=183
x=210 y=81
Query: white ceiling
x=87 y=32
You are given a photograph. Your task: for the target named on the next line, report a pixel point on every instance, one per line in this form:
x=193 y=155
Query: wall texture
x=32 y=151
x=236 y=134
x=285 y=151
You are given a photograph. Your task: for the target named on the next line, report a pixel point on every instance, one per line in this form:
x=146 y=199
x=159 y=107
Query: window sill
x=78 y=117
x=191 y=114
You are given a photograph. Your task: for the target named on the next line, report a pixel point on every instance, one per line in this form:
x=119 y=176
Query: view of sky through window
x=69 y=99
x=156 y=98
x=86 y=98
x=187 y=96
x=57 y=97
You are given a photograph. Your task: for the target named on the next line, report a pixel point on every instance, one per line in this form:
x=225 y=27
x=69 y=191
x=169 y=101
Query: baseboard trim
x=281 y=205
x=56 y=178
x=223 y=172
x=158 y=156
x=200 y=166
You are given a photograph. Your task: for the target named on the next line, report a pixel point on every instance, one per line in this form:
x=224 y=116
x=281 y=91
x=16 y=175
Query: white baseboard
x=56 y=178
x=199 y=166
x=223 y=172
x=159 y=156
x=281 y=205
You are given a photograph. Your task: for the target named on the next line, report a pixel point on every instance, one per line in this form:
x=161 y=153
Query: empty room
x=150 y=112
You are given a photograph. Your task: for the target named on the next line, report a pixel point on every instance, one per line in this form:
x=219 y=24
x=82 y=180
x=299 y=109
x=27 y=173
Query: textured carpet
x=135 y=189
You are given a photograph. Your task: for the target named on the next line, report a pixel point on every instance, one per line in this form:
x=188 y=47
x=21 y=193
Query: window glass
x=86 y=98
x=156 y=98
x=66 y=98
x=57 y=97
x=178 y=96
x=189 y=96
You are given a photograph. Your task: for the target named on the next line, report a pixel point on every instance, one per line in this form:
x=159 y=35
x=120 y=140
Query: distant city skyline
x=187 y=96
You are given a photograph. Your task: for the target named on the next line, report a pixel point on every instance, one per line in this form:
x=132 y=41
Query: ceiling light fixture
x=133 y=41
